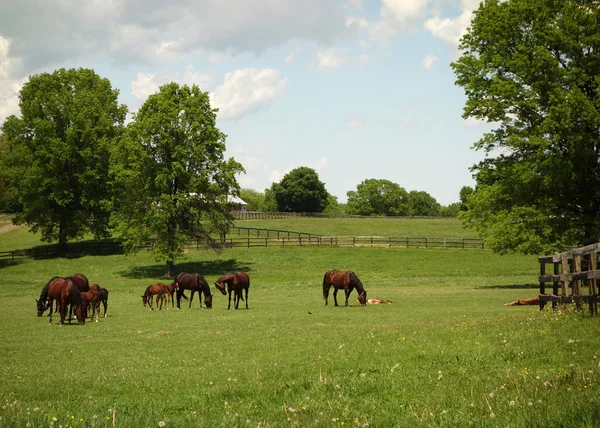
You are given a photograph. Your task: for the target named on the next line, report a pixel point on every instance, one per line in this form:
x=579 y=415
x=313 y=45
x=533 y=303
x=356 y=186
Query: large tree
x=300 y=190
x=56 y=158
x=171 y=180
x=532 y=68
x=378 y=197
x=422 y=204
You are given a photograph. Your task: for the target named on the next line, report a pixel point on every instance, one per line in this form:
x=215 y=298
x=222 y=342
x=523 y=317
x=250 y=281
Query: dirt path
x=7 y=228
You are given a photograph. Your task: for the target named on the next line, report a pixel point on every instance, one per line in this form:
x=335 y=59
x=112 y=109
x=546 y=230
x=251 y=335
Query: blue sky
x=355 y=89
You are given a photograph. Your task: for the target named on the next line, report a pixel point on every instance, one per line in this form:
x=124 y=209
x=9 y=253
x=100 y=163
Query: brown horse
x=92 y=299
x=79 y=279
x=103 y=292
x=194 y=282
x=346 y=280
x=65 y=293
x=236 y=282
x=378 y=301
x=154 y=291
x=170 y=294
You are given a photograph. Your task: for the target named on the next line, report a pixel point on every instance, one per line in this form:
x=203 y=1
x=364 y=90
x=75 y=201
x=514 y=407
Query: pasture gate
x=572 y=270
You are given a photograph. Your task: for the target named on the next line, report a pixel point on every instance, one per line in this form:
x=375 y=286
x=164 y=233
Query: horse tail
x=326 y=285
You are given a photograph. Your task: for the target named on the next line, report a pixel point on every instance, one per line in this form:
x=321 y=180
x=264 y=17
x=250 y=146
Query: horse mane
x=75 y=294
x=355 y=282
x=44 y=293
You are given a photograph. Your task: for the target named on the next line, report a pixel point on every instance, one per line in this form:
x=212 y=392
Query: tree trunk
x=170 y=269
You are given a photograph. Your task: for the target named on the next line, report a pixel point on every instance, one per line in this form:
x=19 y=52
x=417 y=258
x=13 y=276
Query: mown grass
x=446 y=352
x=376 y=226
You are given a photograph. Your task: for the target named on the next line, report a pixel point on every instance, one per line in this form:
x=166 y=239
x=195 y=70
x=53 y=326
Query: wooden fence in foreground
x=573 y=270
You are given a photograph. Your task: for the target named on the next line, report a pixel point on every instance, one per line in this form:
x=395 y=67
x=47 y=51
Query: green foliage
x=451 y=210
x=422 y=204
x=56 y=157
x=465 y=194
x=300 y=190
x=532 y=67
x=333 y=207
x=255 y=200
x=171 y=180
x=378 y=197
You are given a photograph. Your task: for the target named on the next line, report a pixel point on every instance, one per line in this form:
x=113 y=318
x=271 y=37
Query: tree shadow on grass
x=510 y=286
x=209 y=268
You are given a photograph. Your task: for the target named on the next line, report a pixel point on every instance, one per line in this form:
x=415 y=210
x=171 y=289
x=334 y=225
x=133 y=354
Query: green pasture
x=374 y=226
x=446 y=352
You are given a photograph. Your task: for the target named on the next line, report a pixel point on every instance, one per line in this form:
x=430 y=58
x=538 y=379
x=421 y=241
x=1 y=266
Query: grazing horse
x=92 y=299
x=194 y=282
x=236 y=282
x=154 y=291
x=79 y=279
x=103 y=292
x=346 y=280
x=170 y=294
x=65 y=293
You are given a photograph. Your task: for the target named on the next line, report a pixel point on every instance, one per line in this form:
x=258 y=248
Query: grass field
x=446 y=352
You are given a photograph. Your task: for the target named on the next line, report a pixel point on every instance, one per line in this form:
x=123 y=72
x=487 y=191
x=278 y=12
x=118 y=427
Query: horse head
x=41 y=307
x=80 y=314
x=362 y=298
x=145 y=300
x=221 y=287
x=208 y=301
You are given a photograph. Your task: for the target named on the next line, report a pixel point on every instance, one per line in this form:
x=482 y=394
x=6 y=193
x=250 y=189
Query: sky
x=355 y=89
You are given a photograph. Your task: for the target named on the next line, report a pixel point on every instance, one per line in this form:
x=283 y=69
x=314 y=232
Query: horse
x=79 y=279
x=194 y=282
x=377 y=301
x=65 y=293
x=236 y=282
x=170 y=294
x=154 y=291
x=523 y=302
x=103 y=296
x=92 y=298
x=346 y=280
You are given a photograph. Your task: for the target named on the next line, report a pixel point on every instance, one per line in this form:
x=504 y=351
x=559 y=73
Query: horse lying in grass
x=372 y=301
x=532 y=301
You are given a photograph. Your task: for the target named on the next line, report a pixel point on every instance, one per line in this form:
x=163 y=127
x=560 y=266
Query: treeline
x=301 y=191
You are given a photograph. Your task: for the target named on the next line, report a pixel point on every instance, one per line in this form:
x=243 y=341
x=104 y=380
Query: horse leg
x=246 y=298
x=236 y=298
x=335 y=291
x=347 y=292
x=50 y=303
x=191 y=298
x=63 y=310
x=326 y=293
x=178 y=293
x=229 y=305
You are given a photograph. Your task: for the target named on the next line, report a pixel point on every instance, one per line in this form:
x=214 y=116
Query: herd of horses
x=72 y=292
x=76 y=293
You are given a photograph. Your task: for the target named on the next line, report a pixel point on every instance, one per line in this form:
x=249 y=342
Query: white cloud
x=219 y=57
x=148 y=83
x=316 y=164
x=9 y=98
x=247 y=90
x=358 y=22
x=450 y=30
x=290 y=58
x=429 y=61
x=333 y=59
x=398 y=16
x=356 y=123
x=353 y=4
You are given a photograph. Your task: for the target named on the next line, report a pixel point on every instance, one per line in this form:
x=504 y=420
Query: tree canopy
x=171 y=180
x=378 y=197
x=532 y=68
x=422 y=204
x=56 y=157
x=300 y=190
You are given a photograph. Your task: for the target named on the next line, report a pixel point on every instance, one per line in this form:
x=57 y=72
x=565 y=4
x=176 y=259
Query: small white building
x=240 y=205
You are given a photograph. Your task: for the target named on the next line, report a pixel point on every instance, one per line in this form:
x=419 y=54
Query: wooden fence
x=575 y=270
x=249 y=237
x=259 y=215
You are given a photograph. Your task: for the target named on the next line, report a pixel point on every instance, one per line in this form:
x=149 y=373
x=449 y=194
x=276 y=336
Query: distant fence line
x=269 y=215
x=269 y=238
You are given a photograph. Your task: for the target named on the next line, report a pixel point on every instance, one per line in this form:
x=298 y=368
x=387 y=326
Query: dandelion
x=210 y=383
x=512 y=403
x=161 y=424
x=492 y=415
x=54 y=419
x=530 y=403
x=291 y=410
x=491 y=394
x=571 y=341
x=36 y=409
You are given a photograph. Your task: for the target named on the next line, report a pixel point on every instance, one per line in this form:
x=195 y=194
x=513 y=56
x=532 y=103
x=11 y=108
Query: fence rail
x=268 y=215
x=249 y=238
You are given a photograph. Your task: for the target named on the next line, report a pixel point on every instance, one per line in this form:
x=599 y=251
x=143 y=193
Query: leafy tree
x=378 y=197
x=333 y=207
x=255 y=200
x=270 y=201
x=300 y=190
x=171 y=179
x=532 y=67
x=56 y=159
x=451 y=210
x=422 y=204
x=464 y=195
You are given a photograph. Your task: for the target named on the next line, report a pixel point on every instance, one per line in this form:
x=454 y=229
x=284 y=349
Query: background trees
x=300 y=190
x=378 y=197
x=531 y=67
x=57 y=153
x=171 y=180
